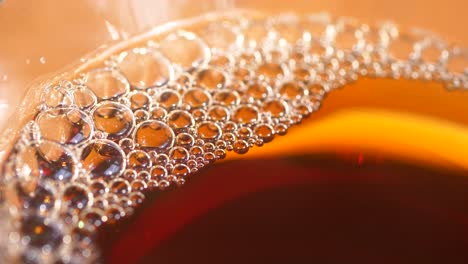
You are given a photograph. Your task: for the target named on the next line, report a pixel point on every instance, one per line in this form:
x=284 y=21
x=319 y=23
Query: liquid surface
x=335 y=208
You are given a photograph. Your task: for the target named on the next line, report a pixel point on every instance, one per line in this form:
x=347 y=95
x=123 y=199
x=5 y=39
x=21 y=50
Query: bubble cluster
x=155 y=114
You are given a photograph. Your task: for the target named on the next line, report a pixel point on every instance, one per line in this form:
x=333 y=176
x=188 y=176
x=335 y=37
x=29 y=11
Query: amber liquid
x=329 y=208
x=330 y=198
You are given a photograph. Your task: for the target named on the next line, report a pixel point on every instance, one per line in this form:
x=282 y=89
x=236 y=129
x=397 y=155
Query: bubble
x=256 y=33
x=221 y=61
x=103 y=159
x=57 y=97
x=141 y=115
x=169 y=99
x=197 y=151
x=154 y=135
x=142 y=175
x=303 y=110
x=76 y=197
x=129 y=174
x=244 y=132
x=221 y=144
x=302 y=74
x=230 y=127
x=220 y=153
x=185 y=49
x=318 y=50
x=98 y=187
x=221 y=36
x=208 y=131
x=185 y=140
x=138 y=186
x=107 y=83
x=277 y=108
x=265 y=132
x=178 y=154
x=274 y=55
x=209 y=147
x=126 y=203
x=270 y=70
x=114 y=214
x=457 y=61
x=119 y=186
x=229 y=138
x=65 y=125
x=258 y=91
x=179 y=119
x=198 y=115
x=138 y=160
x=316 y=89
x=241 y=146
x=137 y=198
x=292 y=90
x=94 y=217
x=155 y=185
x=181 y=170
x=46 y=160
x=227 y=97
x=158 y=173
x=289 y=28
x=158 y=113
x=281 y=129
x=248 y=58
x=184 y=80
x=245 y=114
x=114 y=119
x=161 y=159
x=218 y=113
x=196 y=98
x=41 y=232
x=297 y=57
x=84 y=98
x=145 y=68
x=126 y=144
x=314 y=101
x=242 y=74
x=210 y=79
x=41 y=199
x=139 y=100
x=402 y=48
x=346 y=37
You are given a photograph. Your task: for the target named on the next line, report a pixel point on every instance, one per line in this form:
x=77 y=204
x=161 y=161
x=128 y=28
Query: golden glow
x=408 y=120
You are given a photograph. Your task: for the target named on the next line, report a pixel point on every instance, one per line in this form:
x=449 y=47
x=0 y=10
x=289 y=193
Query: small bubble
x=76 y=197
x=208 y=131
x=154 y=135
x=42 y=60
x=114 y=119
x=107 y=83
x=103 y=159
x=241 y=146
x=145 y=68
x=138 y=160
x=169 y=99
